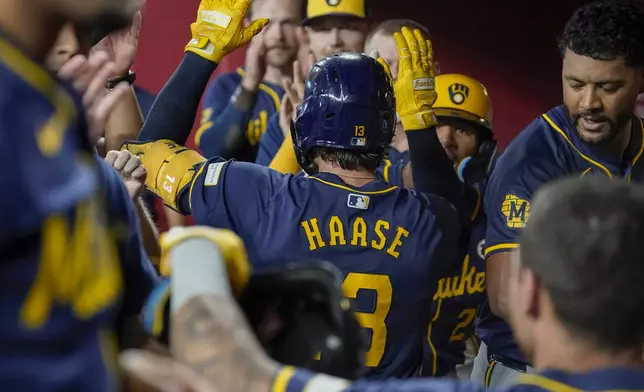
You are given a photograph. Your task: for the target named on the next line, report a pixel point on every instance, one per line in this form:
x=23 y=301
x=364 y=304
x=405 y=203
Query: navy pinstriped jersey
x=609 y=379
x=549 y=148
x=219 y=115
x=59 y=258
x=390 y=243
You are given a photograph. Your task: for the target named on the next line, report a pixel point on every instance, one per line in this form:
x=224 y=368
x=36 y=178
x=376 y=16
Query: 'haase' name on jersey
x=355 y=233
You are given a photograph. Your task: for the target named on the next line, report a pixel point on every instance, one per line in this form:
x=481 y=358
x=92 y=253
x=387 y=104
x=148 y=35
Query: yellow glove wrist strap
x=170 y=168
x=419 y=120
x=202 y=46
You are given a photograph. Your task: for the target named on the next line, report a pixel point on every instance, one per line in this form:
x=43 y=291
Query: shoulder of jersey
x=536 y=142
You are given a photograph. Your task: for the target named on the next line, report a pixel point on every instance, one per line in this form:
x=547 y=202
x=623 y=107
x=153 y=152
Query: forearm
x=149 y=233
x=124 y=123
x=208 y=331
x=225 y=134
x=173 y=112
x=432 y=170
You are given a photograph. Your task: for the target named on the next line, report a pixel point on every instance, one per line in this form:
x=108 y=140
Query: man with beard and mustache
x=330 y=27
x=237 y=105
x=593 y=133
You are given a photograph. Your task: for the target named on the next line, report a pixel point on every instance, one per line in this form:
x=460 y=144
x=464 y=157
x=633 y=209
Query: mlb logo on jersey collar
x=360 y=202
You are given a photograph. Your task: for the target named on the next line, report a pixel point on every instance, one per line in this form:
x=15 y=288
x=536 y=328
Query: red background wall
x=510 y=47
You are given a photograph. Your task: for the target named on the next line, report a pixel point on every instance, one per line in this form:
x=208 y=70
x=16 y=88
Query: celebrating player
x=60 y=267
x=391 y=243
x=593 y=132
x=329 y=27
x=237 y=105
x=579 y=338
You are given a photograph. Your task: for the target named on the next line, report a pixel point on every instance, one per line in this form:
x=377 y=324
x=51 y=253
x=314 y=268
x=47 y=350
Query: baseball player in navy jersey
x=390 y=243
x=594 y=132
x=237 y=105
x=579 y=255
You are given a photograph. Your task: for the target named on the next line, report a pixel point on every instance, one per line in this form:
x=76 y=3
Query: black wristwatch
x=130 y=78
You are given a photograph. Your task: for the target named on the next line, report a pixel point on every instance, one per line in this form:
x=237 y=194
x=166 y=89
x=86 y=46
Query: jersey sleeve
x=391 y=173
x=509 y=194
x=289 y=379
x=270 y=142
x=139 y=275
x=232 y=195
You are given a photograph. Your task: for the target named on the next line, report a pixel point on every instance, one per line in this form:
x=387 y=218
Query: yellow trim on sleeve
x=282 y=378
x=267 y=89
x=504 y=246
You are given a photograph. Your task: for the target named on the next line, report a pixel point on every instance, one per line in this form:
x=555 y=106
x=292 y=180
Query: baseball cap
x=350 y=8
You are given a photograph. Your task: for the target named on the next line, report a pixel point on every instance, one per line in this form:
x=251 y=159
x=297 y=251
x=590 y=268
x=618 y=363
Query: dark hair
x=584 y=242
x=347 y=160
x=392 y=26
x=607 y=30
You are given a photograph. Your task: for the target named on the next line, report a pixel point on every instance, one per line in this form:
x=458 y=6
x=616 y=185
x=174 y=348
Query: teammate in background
x=593 y=132
x=237 y=105
x=330 y=27
x=453 y=160
x=391 y=243
x=380 y=38
x=579 y=338
x=125 y=120
x=60 y=258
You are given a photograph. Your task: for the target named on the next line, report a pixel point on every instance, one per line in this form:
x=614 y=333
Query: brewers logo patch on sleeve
x=516 y=211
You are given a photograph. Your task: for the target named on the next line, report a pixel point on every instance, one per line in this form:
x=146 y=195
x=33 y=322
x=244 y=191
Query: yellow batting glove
x=229 y=244
x=219 y=28
x=170 y=167
x=414 y=89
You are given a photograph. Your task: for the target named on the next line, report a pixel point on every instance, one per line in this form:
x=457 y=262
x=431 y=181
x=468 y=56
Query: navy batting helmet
x=348 y=104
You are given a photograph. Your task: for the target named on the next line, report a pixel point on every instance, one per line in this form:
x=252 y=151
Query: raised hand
x=414 y=88
x=219 y=28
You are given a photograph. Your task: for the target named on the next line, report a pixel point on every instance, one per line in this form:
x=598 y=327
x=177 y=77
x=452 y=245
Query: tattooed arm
x=211 y=336
x=209 y=332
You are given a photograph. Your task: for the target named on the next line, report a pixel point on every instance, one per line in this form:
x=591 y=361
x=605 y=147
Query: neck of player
x=569 y=351
x=31 y=26
x=276 y=75
x=355 y=178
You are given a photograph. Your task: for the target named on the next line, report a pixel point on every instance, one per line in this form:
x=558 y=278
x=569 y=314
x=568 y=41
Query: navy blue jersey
x=392 y=170
x=219 y=115
x=139 y=276
x=390 y=243
x=611 y=379
x=270 y=142
x=460 y=291
x=458 y=297
x=61 y=279
x=549 y=148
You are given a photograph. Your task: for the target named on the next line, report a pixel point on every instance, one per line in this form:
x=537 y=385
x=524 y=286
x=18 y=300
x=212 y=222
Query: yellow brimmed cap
x=351 y=8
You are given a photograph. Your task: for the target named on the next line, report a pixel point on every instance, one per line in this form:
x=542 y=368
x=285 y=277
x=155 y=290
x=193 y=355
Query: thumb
x=384 y=64
x=254 y=28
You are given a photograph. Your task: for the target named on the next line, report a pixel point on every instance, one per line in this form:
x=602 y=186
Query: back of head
x=607 y=30
x=348 y=112
x=584 y=243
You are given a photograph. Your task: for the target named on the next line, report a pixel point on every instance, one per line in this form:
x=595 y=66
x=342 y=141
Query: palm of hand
x=121 y=46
